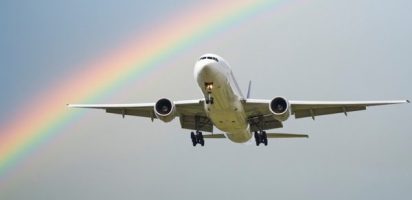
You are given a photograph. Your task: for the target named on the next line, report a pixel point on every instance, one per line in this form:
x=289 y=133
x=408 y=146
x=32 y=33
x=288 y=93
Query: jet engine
x=280 y=107
x=165 y=110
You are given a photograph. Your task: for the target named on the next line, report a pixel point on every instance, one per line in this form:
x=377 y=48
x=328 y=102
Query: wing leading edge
x=141 y=109
x=301 y=109
x=189 y=112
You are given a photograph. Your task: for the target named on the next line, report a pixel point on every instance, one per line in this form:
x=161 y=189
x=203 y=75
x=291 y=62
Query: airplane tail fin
x=248 y=90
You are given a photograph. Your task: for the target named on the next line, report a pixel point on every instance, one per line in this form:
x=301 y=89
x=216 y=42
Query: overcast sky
x=315 y=50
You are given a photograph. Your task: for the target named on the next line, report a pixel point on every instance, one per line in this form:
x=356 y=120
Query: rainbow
x=40 y=120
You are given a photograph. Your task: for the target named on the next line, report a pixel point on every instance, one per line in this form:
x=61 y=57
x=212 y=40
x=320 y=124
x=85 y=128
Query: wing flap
x=312 y=112
x=188 y=122
x=142 y=112
x=263 y=122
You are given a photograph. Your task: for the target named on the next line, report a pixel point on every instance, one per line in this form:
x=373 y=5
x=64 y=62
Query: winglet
x=407 y=101
x=248 y=90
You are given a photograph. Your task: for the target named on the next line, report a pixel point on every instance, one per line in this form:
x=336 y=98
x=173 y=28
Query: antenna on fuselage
x=248 y=90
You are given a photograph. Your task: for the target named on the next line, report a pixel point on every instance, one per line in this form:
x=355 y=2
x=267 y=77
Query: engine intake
x=165 y=110
x=280 y=107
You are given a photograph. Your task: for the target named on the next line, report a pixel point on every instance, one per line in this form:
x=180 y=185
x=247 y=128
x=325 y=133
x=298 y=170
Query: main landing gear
x=261 y=137
x=197 y=138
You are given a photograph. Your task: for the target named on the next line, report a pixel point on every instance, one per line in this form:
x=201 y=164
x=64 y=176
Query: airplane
x=224 y=107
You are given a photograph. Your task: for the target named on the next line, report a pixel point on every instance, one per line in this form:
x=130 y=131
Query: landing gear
x=197 y=138
x=209 y=88
x=209 y=99
x=261 y=137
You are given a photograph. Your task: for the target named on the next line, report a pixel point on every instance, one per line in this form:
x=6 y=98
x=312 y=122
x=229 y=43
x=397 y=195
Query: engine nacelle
x=280 y=107
x=165 y=110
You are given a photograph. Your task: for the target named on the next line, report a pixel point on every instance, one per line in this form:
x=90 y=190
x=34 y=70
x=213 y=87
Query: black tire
x=193 y=137
x=264 y=138
x=199 y=136
x=201 y=140
x=257 y=138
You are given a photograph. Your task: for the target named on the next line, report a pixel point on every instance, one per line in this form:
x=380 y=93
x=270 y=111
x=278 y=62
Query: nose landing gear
x=209 y=99
x=209 y=88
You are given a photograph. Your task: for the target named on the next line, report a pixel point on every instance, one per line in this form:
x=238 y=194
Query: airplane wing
x=140 y=109
x=303 y=109
x=256 y=108
x=188 y=111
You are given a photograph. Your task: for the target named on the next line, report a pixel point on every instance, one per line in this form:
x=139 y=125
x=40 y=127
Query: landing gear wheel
x=261 y=137
x=257 y=138
x=209 y=99
x=264 y=138
x=193 y=137
x=197 y=138
x=200 y=139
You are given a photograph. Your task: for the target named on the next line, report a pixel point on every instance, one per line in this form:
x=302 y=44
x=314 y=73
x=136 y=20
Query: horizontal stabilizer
x=215 y=136
x=286 y=135
x=269 y=135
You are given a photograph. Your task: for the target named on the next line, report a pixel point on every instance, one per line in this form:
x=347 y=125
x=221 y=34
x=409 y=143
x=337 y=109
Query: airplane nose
x=203 y=68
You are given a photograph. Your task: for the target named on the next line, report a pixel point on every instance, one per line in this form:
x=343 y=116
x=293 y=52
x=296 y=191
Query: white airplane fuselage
x=215 y=78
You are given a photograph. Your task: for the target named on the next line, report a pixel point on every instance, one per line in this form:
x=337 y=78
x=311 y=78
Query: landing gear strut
x=209 y=99
x=197 y=138
x=209 y=88
x=261 y=137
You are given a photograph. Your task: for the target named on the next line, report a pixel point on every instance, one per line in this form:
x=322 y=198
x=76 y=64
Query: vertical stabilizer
x=248 y=90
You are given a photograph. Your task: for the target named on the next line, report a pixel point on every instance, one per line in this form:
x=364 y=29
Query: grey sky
x=318 y=50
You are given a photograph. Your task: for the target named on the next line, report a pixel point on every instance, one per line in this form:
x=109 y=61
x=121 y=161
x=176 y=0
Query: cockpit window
x=209 y=57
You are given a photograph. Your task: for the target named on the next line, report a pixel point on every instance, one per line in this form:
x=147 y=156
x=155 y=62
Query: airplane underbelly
x=227 y=112
x=228 y=120
x=233 y=124
x=232 y=120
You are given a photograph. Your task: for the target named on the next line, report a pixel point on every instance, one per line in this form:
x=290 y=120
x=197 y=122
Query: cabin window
x=210 y=58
